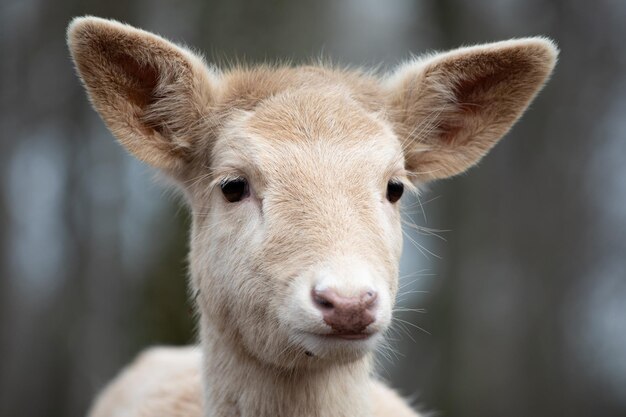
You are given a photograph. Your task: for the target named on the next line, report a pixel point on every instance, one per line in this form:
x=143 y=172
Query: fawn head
x=294 y=174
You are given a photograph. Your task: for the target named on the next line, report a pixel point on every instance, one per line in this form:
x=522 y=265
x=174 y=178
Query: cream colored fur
x=318 y=146
x=166 y=382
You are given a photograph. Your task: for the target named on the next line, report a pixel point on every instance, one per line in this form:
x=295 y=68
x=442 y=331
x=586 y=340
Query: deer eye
x=235 y=189
x=394 y=190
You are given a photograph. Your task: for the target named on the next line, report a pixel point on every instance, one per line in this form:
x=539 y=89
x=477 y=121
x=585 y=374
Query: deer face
x=294 y=175
x=299 y=233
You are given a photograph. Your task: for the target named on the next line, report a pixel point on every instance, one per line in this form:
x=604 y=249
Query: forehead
x=318 y=119
x=307 y=114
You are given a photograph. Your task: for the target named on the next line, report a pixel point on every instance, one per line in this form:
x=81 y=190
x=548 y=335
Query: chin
x=327 y=349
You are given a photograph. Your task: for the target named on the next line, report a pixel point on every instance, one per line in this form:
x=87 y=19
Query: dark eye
x=235 y=189
x=394 y=190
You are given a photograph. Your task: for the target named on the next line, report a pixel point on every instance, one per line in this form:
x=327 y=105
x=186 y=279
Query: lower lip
x=360 y=336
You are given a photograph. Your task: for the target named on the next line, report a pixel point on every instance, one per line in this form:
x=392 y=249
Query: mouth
x=341 y=336
x=330 y=345
x=347 y=336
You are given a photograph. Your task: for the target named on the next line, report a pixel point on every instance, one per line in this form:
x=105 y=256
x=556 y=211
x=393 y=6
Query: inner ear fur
x=449 y=109
x=153 y=95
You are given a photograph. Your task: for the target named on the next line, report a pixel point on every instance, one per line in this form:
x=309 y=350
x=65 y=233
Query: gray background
x=525 y=298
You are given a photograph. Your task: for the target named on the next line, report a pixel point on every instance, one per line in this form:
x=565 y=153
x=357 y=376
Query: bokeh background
x=525 y=295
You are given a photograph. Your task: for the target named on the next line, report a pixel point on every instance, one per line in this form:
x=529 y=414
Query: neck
x=238 y=385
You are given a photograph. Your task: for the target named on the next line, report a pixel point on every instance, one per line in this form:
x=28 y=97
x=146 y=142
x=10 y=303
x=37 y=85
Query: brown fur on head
x=318 y=147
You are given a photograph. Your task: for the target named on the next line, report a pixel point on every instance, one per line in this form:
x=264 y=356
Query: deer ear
x=152 y=94
x=449 y=109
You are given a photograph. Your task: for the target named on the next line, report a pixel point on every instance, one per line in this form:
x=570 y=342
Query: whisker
x=420 y=248
x=413 y=310
x=412 y=325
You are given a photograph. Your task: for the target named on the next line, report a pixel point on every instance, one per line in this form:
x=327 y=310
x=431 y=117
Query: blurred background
x=525 y=295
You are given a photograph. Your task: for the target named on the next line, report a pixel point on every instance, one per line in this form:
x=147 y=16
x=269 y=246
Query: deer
x=293 y=175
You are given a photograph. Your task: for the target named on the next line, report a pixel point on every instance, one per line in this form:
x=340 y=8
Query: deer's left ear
x=451 y=108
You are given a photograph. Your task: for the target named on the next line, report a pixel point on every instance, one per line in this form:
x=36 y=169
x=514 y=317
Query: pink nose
x=346 y=315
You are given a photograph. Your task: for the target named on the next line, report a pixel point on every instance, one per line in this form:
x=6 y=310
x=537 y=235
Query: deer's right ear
x=153 y=95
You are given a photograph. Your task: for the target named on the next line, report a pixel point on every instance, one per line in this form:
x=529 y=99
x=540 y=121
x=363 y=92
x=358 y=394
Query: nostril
x=322 y=300
x=369 y=299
